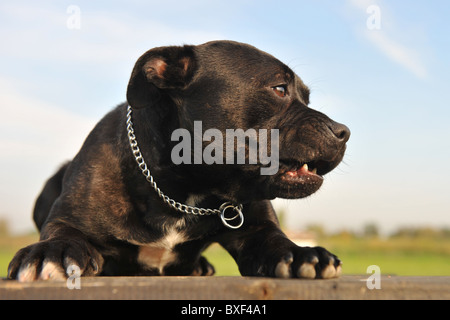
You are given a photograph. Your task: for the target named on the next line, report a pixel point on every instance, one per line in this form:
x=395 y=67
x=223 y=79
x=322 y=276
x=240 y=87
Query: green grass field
x=404 y=256
x=393 y=257
x=420 y=256
x=9 y=246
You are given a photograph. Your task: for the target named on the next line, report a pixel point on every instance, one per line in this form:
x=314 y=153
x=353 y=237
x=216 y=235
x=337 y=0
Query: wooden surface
x=230 y=288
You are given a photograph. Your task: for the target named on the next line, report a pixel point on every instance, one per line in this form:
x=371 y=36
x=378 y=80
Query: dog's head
x=230 y=85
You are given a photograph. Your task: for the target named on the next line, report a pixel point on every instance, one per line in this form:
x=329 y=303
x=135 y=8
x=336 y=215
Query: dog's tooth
x=314 y=171
x=304 y=168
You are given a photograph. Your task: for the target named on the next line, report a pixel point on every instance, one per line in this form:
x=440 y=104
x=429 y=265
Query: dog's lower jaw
x=283 y=188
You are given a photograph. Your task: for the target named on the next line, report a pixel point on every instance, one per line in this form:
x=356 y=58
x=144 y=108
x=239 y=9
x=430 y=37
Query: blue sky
x=390 y=85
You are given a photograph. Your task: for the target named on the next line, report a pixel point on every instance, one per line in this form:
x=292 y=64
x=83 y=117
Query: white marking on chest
x=160 y=253
x=194 y=199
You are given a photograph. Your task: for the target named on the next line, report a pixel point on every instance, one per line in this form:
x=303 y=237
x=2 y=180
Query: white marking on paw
x=210 y=271
x=51 y=271
x=307 y=271
x=283 y=269
x=329 y=272
x=27 y=273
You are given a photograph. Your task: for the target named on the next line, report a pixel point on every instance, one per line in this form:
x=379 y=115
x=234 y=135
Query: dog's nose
x=340 y=131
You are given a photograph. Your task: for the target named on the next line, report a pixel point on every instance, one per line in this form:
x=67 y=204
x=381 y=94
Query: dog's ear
x=158 y=69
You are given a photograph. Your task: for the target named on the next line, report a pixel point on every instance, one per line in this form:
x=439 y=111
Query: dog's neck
x=234 y=222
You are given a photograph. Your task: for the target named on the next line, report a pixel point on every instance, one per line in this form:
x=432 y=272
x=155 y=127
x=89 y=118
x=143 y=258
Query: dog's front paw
x=54 y=259
x=309 y=263
x=293 y=262
x=203 y=268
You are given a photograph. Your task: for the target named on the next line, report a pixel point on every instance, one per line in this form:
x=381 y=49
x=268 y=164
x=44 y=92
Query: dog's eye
x=281 y=90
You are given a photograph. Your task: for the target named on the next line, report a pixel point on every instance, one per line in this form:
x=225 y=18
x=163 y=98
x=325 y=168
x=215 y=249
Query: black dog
x=102 y=211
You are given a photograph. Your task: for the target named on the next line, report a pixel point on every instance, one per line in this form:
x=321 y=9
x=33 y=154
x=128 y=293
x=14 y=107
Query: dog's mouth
x=293 y=171
x=297 y=179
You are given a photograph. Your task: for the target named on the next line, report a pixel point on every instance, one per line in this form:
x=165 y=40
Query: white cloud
x=35 y=138
x=388 y=39
x=361 y=4
x=102 y=38
x=26 y=122
x=398 y=53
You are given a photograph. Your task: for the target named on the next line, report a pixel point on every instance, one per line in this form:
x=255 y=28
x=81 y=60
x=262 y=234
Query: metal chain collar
x=172 y=203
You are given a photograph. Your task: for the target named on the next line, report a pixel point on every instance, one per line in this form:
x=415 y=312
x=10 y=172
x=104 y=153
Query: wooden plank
x=229 y=288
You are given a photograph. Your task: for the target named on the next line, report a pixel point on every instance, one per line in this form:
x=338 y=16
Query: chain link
x=184 y=208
